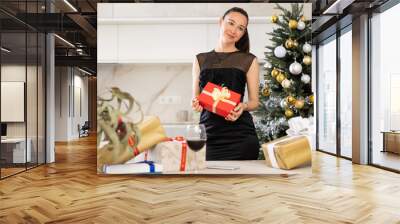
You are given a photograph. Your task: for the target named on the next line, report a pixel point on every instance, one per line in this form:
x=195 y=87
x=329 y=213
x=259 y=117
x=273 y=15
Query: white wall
x=79 y=117
x=17 y=73
x=14 y=73
x=148 y=84
x=33 y=127
x=67 y=116
x=61 y=103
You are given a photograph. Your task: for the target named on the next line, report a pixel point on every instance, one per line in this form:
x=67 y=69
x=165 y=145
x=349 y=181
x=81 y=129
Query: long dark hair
x=243 y=44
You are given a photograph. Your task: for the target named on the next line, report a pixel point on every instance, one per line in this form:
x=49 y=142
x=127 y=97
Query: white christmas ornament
x=307 y=48
x=283 y=103
x=267 y=65
x=305 y=78
x=295 y=68
x=286 y=83
x=280 y=51
x=301 y=25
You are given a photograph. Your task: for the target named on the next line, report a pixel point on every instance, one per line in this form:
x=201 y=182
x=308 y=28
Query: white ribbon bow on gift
x=298 y=126
x=302 y=126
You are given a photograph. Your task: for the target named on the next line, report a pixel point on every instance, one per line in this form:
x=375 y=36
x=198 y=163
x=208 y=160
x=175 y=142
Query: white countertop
x=250 y=167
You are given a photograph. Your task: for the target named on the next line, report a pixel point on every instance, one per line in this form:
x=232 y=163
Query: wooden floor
x=70 y=191
x=10 y=171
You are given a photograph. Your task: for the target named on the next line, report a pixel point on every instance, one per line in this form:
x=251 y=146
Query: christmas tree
x=286 y=91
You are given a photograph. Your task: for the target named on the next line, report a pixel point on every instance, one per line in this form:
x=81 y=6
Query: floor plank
x=70 y=191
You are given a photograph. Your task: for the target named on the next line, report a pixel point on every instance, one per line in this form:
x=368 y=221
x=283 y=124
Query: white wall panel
x=107 y=43
x=160 y=43
x=12 y=101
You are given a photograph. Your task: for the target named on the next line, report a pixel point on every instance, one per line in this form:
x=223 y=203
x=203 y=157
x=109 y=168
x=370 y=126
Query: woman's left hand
x=235 y=113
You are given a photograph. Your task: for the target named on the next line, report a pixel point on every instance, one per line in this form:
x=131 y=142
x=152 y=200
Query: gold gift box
x=151 y=133
x=289 y=152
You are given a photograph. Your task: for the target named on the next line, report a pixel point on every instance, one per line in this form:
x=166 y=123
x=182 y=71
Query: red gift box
x=217 y=99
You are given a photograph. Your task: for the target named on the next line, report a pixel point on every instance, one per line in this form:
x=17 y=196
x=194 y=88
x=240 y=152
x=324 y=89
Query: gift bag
x=217 y=99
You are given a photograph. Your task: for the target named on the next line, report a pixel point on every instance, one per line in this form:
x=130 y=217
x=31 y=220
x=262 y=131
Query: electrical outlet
x=163 y=100
x=175 y=100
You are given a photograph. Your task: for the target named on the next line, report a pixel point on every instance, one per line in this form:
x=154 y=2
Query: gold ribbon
x=219 y=95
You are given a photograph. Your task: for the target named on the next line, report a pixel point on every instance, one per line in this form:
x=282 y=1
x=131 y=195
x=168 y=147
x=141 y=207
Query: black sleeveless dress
x=227 y=140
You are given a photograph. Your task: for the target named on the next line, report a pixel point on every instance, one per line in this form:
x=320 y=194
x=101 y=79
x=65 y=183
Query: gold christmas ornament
x=307 y=60
x=274 y=73
x=311 y=99
x=274 y=18
x=302 y=18
x=292 y=24
x=290 y=99
x=280 y=77
x=289 y=113
x=265 y=91
x=299 y=104
x=295 y=44
x=289 y=43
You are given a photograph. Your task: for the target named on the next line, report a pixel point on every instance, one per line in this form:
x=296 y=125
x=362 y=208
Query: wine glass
x=196 y=138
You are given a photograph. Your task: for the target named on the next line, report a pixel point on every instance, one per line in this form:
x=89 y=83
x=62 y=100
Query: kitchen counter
x=247 y=167
x=241 y=167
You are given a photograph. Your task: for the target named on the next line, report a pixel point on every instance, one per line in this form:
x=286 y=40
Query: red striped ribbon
x=136 y=151
x=181 y=140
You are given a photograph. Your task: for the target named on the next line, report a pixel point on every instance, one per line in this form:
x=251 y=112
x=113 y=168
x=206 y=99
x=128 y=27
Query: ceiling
x=75 y=21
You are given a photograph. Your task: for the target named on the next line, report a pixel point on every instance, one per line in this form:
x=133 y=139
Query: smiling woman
x=231 y=136
x=233 y=29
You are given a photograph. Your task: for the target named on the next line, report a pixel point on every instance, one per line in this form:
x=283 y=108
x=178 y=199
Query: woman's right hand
x=196 y=105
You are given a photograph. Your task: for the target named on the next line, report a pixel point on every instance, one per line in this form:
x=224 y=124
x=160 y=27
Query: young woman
x=230 y=64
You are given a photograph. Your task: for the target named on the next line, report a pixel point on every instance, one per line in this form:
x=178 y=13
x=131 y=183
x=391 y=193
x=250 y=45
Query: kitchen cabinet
x=160 y=43
x=173 y=33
